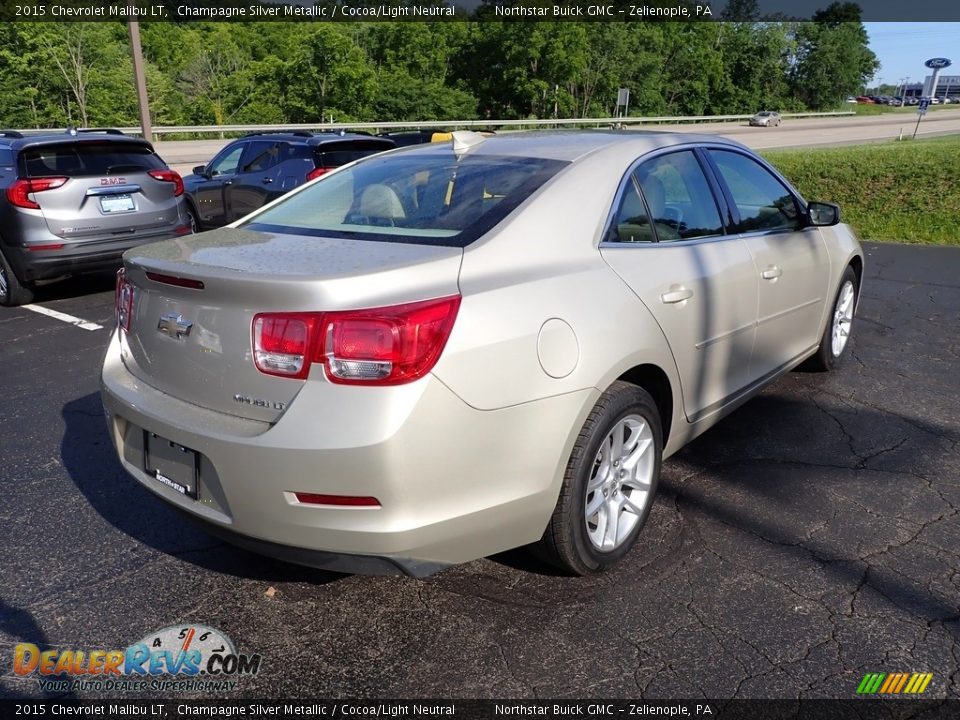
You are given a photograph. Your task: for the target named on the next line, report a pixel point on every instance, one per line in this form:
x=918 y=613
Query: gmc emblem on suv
x=174 y=326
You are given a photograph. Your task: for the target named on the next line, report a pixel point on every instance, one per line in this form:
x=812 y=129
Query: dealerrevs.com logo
x=179 y=658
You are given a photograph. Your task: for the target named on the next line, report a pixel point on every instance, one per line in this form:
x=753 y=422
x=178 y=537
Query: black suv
x=260 y=167
x=73 y=202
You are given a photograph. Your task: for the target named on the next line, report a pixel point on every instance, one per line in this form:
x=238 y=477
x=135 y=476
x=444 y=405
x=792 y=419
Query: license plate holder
x=171 y=464
x=112 y=204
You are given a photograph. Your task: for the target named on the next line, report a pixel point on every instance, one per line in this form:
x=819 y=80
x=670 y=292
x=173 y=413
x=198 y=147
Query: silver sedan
x=446 y=351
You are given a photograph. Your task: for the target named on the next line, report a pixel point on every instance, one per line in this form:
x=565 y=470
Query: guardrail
x=401 y=125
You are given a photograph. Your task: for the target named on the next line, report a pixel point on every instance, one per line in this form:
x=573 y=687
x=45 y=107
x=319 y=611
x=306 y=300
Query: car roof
x=572 y=145
x=316 y=138
x=17 y=141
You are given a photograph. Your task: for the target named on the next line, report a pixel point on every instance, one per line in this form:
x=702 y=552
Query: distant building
x=947 y=86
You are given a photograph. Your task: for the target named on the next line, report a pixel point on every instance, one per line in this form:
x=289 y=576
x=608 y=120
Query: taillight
x=317 y=172
x=378 y=346
x=19 y=192
x=282 y=343
x=124 y=300
x=169 y=176
x=387 y=346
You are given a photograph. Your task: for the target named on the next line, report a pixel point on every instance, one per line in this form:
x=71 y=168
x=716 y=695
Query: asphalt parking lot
x=810 y=538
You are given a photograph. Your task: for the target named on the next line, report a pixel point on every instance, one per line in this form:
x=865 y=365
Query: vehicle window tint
x=763 y=202
x=681 y=203
x=6 y=157
x=430 y=199
x=261 y=156
x=631 y=223
x=333 y=155
x=226 y=163
x=84 y=159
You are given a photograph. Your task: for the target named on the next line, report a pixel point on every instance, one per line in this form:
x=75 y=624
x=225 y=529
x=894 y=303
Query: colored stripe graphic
x=870 y=683
x=894 y=683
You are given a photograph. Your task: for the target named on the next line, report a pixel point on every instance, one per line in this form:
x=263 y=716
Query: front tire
x=835 y=343
x=609 y=483
x=12 y=291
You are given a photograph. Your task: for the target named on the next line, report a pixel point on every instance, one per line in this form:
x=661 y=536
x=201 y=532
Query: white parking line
x=70 y=319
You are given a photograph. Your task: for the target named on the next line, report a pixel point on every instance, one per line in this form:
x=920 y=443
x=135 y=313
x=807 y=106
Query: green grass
x=907 y=191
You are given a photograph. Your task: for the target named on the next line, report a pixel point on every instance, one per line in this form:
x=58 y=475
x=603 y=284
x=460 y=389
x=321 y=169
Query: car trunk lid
x=196 y=297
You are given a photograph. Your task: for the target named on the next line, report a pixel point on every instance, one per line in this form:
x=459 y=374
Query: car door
x=667 y=241
x=253 y=184
x=218 y=175
x=792 y=263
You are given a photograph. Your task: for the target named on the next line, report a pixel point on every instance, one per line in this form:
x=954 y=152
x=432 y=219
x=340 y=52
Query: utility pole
x=140 y=79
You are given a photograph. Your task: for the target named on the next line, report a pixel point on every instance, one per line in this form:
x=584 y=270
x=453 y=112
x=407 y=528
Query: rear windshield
x=420 y=198
x=6 y=157
x=333 y=155
x=80 y=159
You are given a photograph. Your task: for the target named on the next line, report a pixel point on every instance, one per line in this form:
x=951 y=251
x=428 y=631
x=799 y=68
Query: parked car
x=260 y=167
x=446 y=351
x=766 y=118
x=864 y=100
x=851 y=99
x=73 y=202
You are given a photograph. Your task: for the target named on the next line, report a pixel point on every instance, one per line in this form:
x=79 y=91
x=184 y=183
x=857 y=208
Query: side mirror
x=200 y=170
x=823 y=214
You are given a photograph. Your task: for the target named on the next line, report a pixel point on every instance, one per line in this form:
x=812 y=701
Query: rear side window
x=82 y=159
x=429 y=199
x=6 y=157
x=333 y=155
x=681 y=203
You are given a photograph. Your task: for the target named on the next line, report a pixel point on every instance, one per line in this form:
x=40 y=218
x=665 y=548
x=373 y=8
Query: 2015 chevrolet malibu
x=446 y=351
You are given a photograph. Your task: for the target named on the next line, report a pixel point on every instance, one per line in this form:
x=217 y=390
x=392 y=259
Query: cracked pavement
x=809 y=538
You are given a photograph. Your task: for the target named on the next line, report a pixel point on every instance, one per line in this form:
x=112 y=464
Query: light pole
x=140 y=79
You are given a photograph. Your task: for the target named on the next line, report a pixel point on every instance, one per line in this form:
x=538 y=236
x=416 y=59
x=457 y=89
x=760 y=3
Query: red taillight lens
x=282 y=343
x=378 y=346
x=124 y=300
x=169 y=176
x=338 y=500
x=387 y=346
x=317 y=172
x=19 y=192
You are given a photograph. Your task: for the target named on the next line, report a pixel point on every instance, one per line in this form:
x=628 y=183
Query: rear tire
x=609 y=483
x=835 y=342
x=13 y=292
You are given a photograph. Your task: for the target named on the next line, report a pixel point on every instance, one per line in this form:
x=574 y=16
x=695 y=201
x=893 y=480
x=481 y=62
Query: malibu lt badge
x=174 y=326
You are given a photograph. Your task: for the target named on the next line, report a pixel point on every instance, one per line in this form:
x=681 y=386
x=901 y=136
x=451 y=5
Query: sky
x=903 y=48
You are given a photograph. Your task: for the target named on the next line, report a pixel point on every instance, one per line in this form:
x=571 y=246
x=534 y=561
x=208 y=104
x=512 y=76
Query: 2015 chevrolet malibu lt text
x=445 y=351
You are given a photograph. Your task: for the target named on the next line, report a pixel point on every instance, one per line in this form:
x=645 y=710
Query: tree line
x=58 y=74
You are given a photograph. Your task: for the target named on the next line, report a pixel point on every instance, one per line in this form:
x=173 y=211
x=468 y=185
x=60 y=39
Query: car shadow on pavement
x=89 y=458
x=20 y=626
x=76 y=286
x=792 y=482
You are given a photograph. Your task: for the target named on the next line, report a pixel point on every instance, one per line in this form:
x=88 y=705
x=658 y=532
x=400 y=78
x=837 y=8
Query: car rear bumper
x=75 y=257
x=454 y=483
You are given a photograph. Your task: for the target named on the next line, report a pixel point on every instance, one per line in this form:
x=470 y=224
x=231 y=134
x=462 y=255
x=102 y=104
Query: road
x=808 y=539
x=183 y=155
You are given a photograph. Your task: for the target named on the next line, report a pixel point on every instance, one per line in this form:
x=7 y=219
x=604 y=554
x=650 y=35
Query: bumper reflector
x=338 y=500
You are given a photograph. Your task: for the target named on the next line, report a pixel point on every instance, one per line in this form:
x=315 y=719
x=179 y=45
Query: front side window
x=227 y=163
x=431 y=199
x=763 y=202
x=678 y=195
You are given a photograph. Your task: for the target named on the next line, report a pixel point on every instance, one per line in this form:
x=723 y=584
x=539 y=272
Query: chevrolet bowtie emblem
x=174 y=326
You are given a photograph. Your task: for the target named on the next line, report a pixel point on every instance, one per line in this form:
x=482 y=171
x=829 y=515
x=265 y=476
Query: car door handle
x=771 y=273
x=267 y=181
x=676 y=296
